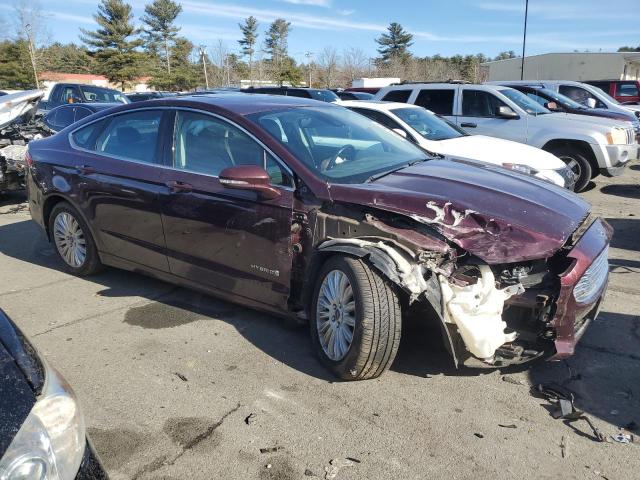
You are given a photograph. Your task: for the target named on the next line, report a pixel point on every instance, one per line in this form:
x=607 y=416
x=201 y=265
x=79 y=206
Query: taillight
x=27 y=159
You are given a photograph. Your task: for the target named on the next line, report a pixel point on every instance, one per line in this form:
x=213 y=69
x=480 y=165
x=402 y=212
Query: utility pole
x=524 y=40
x=203 y=54
x=32 y=54
x=308 y=55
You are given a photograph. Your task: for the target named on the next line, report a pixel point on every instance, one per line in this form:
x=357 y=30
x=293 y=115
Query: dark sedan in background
x=62 y=116
x=307 y=210
x=42 y=431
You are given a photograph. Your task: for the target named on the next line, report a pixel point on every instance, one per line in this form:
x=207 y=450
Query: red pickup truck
x=625 y=91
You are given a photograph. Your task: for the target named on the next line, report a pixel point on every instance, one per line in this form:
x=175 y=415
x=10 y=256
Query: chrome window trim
x=75 y=146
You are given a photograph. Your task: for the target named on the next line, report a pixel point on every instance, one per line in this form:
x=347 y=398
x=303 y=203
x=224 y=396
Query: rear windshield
x=324 y=95
x=103 y=95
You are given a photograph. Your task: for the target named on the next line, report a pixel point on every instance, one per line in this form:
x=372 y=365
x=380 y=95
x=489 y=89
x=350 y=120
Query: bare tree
x=328 y=62
x=30 y=27
x=354 y=64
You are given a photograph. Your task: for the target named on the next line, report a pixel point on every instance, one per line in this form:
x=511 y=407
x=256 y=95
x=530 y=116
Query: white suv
x=589 y=145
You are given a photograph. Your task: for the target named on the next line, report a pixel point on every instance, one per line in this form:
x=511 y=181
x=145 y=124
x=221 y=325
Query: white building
x=567 y=66
x=374 y=82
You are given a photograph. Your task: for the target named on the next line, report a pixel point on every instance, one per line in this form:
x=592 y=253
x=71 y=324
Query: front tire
x=72 y=241
x=578 y=163
x=355 y=319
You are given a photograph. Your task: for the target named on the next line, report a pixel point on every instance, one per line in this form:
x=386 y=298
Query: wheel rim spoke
x=69 y=239
x=335 y=315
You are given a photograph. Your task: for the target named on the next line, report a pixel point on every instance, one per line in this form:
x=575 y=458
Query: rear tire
x=370 y=310
x=579 y=164
x=72 y=241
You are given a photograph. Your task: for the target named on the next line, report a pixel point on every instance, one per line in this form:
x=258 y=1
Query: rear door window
x=478 y=103
x=64 y=118
x=438 y=101
x=401 y=96
x=379 y=117
x=132 y=136
x=82 y=112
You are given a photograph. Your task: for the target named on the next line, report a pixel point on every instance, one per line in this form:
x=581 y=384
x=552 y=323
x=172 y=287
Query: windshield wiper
x=378 y=176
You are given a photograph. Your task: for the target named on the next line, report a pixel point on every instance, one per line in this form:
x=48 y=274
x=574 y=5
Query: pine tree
x=114 y=43
x=160 y=30
x=276 y=45
x=395 y=43
x=15 y=65
x=249 y=39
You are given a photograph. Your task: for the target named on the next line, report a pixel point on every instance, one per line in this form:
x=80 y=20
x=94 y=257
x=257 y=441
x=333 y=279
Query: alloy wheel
x=336 y=315
x=69 y=239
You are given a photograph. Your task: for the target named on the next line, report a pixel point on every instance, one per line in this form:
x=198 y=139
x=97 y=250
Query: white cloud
x=69 y=17
x=302 y=20
x=345 y=13
x=314 y=3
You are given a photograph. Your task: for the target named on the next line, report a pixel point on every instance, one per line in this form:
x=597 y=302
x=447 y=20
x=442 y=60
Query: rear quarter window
x=438 y=101
x=401 y=96
x=85 y=137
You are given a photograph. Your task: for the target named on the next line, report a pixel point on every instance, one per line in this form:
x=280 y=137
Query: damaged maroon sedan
x=306 y=209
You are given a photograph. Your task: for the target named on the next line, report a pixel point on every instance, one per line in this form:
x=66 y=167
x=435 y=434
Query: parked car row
x=588 y=145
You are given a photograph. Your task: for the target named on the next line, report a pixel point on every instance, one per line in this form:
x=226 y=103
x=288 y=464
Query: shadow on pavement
x=12 y=198
x=604 y=373
x=626 y=233
x=282 y=339
x=627 y=191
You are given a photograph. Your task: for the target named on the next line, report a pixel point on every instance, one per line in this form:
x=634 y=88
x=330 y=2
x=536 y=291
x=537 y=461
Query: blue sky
x=446 y=27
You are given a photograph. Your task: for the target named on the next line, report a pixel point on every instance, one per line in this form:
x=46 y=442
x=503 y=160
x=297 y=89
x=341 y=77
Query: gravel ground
x=178 y=385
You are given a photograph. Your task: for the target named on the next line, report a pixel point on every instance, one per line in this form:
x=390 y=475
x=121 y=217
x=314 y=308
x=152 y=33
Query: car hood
x=497 y=151
x=585 y=120
x=495 y=214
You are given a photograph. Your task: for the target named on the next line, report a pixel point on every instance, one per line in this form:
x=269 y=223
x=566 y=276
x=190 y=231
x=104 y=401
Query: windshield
x=339 y=145
x=103 y=95
x=604 y=94
x=528 y=105
x=427 y=124
x=324 y=95
x=561 y=99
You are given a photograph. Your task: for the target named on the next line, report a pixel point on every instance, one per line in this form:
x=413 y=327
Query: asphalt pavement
x=178 y=385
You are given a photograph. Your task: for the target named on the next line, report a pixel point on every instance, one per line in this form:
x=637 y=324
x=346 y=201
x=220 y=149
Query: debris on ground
x=335 y=466
x=180 y=376
x=270 y=449
x=479 y=435
x=251 y=418
x=622 y=438
x=511 y=425
x=513 y=380
x=563 y=447
x=563 y=400
x=309 y=473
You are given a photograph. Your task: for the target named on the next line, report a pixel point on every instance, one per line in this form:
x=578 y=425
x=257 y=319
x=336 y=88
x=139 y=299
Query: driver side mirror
x=507 y=113
x=400 y=132
x=591 y=102
x=553 y=106
x=249 y=177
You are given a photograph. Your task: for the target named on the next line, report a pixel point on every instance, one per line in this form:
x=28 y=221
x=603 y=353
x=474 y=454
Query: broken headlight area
x=499 y=315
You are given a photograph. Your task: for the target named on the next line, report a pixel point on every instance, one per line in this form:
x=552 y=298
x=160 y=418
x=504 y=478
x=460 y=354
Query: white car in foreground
x=440 y=136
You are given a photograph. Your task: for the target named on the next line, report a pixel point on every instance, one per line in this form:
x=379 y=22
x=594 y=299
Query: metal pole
x=308 y=55
x=524 y=39
x=203 y=54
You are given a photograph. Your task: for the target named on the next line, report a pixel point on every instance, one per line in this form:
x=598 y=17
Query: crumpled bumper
x=571 y=316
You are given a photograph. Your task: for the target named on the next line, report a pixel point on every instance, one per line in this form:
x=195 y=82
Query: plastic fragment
x=335 y=466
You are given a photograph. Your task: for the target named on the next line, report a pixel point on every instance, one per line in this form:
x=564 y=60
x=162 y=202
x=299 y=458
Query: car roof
x=95 y=106
x=239 y=103
x=377 y=104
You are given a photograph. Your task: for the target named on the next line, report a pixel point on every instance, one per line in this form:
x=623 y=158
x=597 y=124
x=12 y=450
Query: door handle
x=85 y=169
x=177 y=187
x=468 y=125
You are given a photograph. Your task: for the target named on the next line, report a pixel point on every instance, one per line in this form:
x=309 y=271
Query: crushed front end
x=546 y=308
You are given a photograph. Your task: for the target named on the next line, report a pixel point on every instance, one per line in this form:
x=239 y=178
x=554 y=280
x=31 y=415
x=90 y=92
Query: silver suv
x=589 y=145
